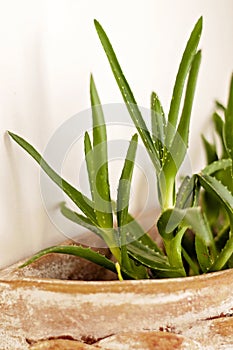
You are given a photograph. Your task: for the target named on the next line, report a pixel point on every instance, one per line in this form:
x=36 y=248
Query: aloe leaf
x=172 y=240
x=187 y=191
x=89 y=162
x=228 y=128
x=174 y=250
x=230 y=262
x=198 y=222
x=210 y=151
x=220 y=106
x=143 y=249
x=80 y=220
x=203 y=255
x=183 y=127
x=123 y=196
x=193 y=265
x=224 y=256
x=189 y=218
x=135 y=272
x=137 y=234
x=219 y=127
x=177 y=146
x=218 y=124
x=127 y=95
x=108 y=235
x=79 y=251
x=176 y=153
x=220 y=170
x=220 y=192
x=224 y=196
x=184 y=67
x=101 y=188
x=158 y=124
x=222 y=164
x=150 y=258
x=76 y=196
x=223 y=236
x=229 y=121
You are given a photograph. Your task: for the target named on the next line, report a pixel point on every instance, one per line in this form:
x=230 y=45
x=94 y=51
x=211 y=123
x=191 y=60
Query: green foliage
x=196 y=221
x=166 y=154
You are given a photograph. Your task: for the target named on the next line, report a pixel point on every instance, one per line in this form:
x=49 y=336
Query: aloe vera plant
x=197 y=235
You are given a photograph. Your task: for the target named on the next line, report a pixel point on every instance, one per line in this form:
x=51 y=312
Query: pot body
x=192 y=313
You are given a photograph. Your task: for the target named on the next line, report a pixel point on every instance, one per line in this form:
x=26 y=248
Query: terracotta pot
x=40 y=309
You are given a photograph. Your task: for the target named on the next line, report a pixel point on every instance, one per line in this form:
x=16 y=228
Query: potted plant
x=174 y=295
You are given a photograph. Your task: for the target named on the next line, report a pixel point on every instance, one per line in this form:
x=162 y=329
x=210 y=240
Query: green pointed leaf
x=101 y=188
x=223 y=236
x=224 y=256
x=184 y=67
x=212 y=168
x=183 y=127
x=76 y=196
x=230 y=262
x=151 y=259
x=228 y=127
x=219 y=125
x=79 y=251
x=109 y=236
x=176 y=152
x=143 y=249
x=203 y=254
x=176 y=149
x=158 y=124
x=89 y=163
x=137 y=234
x=186 y=195
x=123 y=194
x=223 y=195
x=80 y=219
x=127 y=95
x=190 y=218
x=215 y=187
x=192 y=264
x=135 y=272
x=174 y=250
x=220 y=106
x=210 y=151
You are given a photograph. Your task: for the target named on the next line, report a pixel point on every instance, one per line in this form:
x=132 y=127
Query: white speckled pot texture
x=41 y=309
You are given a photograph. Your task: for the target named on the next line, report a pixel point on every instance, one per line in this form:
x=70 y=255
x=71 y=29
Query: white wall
x=48 y=49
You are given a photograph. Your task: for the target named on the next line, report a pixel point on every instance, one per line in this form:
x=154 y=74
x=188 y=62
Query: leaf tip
x=200 y=22
x=92 y=82
x=135 y=138
x=97 y=25
x=12 y=135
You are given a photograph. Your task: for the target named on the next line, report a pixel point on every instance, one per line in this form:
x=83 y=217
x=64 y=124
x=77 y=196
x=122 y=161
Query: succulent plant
x=196 y=220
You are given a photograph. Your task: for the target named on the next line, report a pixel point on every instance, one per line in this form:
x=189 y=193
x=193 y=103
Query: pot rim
x=170 y=284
